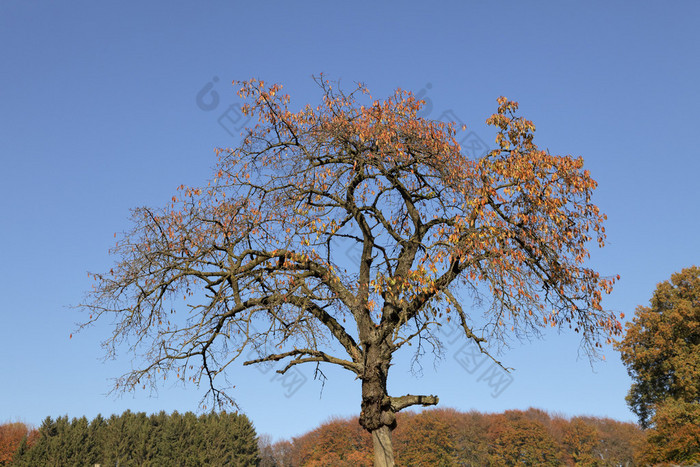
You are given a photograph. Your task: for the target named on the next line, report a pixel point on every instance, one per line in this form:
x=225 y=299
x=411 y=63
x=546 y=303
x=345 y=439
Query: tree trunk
x=377 y=416
x=383 y=449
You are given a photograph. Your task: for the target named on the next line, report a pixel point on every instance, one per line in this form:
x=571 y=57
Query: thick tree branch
x=400 y=403
x=314 y=356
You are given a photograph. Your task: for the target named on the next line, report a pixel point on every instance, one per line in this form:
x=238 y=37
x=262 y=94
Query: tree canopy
x=256 y=254
x=661 y=349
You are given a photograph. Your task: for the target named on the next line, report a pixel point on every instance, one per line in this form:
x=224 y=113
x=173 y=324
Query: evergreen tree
x=137 y=439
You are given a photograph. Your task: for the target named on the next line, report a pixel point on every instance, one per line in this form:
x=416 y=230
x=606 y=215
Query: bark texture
x=383 y=449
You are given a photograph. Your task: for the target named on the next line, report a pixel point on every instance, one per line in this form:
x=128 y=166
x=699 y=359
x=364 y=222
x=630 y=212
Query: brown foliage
x=676 y=434
x=427 y=438
x=661 y=350
x=580 y=440
x=11 y=436
x=661 y=347
x=339 y=442
x=519 y=440
x=617 y=441
x=446 y=437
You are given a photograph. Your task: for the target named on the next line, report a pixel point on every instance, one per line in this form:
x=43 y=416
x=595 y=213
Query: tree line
x=132 y=439
x=437 y=437
x=446 y=437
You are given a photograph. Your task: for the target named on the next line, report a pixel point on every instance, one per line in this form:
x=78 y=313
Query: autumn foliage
x=661 y=350
x=446 y=437
x=12 y=435
x=337 y=442
x=255 y=259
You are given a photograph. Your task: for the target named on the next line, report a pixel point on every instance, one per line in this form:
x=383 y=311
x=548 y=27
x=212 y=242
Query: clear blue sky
x=98 y=115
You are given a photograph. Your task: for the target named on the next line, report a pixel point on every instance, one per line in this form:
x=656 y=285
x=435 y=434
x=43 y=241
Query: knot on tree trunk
x=376 y=413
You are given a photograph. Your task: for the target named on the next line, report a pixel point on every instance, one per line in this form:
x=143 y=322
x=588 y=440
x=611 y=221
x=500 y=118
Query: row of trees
x=138 y=439
x=442 y=437
x=445 y=437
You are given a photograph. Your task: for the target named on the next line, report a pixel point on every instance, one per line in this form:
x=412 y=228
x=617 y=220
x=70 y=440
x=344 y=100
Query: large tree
x=661 y=350
x=259 y=253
